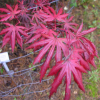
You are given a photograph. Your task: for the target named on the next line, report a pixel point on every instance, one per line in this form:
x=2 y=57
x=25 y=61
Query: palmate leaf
x=37 y=31
x=24 y=15
x=50 y=43
x=10 y=12
x=81 y=59
x=38 y=17
x=89 y=46
x=41 y=3
x=31 y=3
x=45 y=30
x=65 y=68
x=50 y=14
x=33 y=28
x=90 y=51
x=31 y=31
x=68 y=25
x=24 y=18
x=12 y=33
x=80 y=34
x=86 y=45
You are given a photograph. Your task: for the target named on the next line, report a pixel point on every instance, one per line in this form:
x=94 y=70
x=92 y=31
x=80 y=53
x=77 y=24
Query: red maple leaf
x=85 y=44
x=12 y=33
x=33 y=36
x=68 y=25
x=31 y=4
x=65 y=68
x=49 y=44
x=50 y=14
x=41 y=3
x=38 y=17
x=79 y=57
x=38 y=31
x=80 y=34
x=24 y=15
x=10 y=12
x=33 y=28
x=45 y=30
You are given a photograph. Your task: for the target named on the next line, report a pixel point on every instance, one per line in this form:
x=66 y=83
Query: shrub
x=56 y=35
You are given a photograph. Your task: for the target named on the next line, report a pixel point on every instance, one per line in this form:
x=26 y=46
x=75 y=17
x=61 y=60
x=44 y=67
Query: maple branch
x=57 y=5
x=66 y=58
x=25 y=55
x=44 y=4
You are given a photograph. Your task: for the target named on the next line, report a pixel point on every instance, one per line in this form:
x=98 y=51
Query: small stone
x=0 y=50
x=75 y=92
x=65 y=8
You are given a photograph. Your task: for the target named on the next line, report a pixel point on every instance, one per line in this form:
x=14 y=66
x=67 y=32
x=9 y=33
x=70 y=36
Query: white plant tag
x=4 y=57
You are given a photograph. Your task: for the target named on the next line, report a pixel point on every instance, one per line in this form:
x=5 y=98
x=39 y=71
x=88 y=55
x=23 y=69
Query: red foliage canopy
x=57 y=36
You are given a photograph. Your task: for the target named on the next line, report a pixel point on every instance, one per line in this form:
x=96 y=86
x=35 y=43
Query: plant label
x=4 y=57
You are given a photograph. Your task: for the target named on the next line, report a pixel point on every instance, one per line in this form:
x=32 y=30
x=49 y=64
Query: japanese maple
x=73 y=46
x=37 y=17
x=12 y=33
x=68 y=25
x=41 y=3
x=24 y=16
x=10 y=13
x=31 y=3
x=51 y=15
x=57 y=35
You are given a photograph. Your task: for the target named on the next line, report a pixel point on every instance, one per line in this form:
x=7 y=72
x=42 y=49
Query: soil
x=37 y=90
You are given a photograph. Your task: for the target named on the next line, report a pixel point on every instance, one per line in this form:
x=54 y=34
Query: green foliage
x=15 y=99
x=1 y=70
x=79 y=97
x=94 y=75
x=73 y=3
x=95 y=11
x=43 y=60
x=63 y=93
x=93 y=89
x=48 y=93
x=32 y=66
x=95 y=22
x=84 y=2
x=92 y=86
